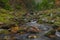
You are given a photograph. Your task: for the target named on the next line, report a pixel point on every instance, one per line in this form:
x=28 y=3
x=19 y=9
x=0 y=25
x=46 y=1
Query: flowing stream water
x=43 y=27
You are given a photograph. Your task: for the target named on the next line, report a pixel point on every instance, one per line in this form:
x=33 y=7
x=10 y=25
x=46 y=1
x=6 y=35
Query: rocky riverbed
x=43 y=29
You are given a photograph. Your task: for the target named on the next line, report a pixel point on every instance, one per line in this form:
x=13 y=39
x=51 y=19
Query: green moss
x=5 y=16
x=4 y=32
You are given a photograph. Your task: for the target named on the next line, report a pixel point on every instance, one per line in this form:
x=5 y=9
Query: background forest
x=15 y=9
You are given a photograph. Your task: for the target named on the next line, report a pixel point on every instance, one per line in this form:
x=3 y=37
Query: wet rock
x=33 y=29
x=32 y=36
x=52 y=36
x=57 y=33
x=6 y=38
x=23 y=28
x=22 y=32
x=33 y=23
x=1 y=29
x=1 y=23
